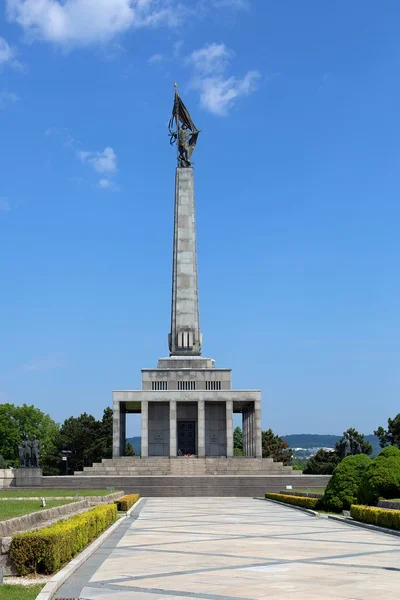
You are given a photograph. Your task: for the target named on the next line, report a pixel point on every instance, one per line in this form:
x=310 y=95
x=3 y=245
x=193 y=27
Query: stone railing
x=302 y=494
x=389 y=504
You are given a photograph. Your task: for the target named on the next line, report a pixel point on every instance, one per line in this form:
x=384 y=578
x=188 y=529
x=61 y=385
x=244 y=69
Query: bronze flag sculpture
x=183 y=131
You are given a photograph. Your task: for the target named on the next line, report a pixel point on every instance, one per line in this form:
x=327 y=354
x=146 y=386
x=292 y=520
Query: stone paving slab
x=237 y=549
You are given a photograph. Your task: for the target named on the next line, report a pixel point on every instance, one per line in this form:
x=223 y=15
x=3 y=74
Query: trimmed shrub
x=305 y=502
x=46 y=550
x=382 y=517
x=126 y=502
x=342 y=489
x=382 y=478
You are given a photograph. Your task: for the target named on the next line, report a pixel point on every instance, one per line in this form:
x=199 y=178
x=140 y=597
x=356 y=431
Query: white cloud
x=217 y=91
x=218 y=94
x=105 y=184
x=5 y=205
x=84 y=22
x=102 y=162
x=156 y=58
x=7 y=98
x=210 y=59
x=44 y=364
x=6 y=53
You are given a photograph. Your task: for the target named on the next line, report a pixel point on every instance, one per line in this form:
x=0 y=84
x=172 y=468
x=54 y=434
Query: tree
x=357 y=444
x=323 y=462
x=391 y=435
x=238 y=438
x=129 y=449
x=18 y=421
x=342 y=489
x=3 y=463
x=273 y=446
x=88 y=440
x=382 y=478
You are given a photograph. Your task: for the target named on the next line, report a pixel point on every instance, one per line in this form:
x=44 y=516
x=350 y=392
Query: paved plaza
x=236 y=549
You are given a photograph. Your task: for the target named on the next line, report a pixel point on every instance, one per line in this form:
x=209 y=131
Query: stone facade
x=186 y=403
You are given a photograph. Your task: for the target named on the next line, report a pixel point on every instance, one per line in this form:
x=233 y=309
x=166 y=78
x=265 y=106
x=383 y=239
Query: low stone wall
x=248 y=486
x=7 y=478
x=301 y=494
x=42 y=519
x=389 y=504
x=92 y=500
x=34 y=520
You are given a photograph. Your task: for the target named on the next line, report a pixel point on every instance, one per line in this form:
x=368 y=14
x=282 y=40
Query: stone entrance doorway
x=187 y=437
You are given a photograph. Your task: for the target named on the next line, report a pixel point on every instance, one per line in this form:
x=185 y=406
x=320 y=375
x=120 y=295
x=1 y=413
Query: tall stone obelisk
x=185 y=336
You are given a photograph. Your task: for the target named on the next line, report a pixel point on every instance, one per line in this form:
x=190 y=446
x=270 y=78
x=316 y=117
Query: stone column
x=145 y=428
x=257 y=429
x=122 y=428
x=185 y=336
x=116 y=429
x=172 y=428
x=201 y=429
x=229 y=428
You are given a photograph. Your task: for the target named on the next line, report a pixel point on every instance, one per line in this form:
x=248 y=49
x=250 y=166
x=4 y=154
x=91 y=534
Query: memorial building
x=186 y=403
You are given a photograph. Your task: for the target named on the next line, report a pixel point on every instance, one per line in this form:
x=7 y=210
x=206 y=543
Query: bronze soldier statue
x=35 y=452
x=183 y=131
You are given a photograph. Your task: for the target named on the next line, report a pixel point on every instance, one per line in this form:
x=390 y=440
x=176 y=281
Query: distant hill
x=314 y=440
x=296 y=440
x=136 y=443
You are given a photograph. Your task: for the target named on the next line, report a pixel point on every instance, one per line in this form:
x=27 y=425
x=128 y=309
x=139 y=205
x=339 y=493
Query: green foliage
x=304 y=501
x=47 y=549
x=355 y=437
x=391 y=435
x=299 y=464
x=126 y=502
x=238 y=439
x=237 y=452
x=20 y=592
x=275 y=447
x=3 y=463
x=382 y=478
x=382 y=517
x=322 y=463
x=17 y=421
x=129 y=449
x=342 y=488
x=88 y=440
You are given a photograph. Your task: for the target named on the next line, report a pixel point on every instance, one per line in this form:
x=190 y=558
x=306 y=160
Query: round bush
x=342 y=489
x=382 y=478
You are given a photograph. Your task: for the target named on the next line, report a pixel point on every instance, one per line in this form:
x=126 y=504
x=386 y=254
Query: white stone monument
x=187 y=404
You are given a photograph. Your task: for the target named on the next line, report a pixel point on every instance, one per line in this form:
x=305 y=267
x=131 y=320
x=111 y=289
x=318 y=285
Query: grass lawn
x=20 y=592
x=39 y=492
x=17 y=508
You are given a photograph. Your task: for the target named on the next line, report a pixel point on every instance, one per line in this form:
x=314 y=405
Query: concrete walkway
x=236 y=549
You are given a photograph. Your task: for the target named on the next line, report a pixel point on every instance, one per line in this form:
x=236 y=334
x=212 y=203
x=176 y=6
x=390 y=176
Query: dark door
x=187 y=437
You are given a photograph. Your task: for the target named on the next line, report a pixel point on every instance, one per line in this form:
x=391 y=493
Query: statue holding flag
x=183 y=131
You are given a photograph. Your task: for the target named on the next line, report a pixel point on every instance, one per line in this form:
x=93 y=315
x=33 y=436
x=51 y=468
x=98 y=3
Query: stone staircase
x=185 y=467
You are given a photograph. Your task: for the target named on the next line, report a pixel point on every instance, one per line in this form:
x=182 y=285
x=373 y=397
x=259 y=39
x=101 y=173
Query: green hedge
x=46 y=550
x=382 y=478
x=383 y=517
x=305 y=502
x=126 y=502
x=342 y=489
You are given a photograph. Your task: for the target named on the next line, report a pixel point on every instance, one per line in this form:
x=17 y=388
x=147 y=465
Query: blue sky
x=297 y=197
